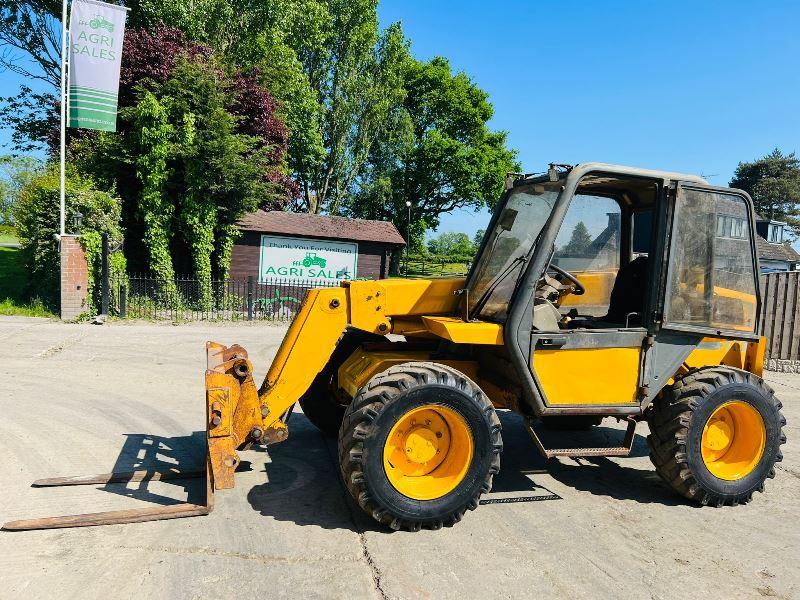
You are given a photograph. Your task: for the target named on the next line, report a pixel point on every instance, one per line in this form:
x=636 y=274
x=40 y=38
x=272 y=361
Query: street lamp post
x=408 y=231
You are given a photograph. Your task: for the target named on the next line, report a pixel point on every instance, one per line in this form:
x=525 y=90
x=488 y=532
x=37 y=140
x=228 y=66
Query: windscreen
x=526 y=210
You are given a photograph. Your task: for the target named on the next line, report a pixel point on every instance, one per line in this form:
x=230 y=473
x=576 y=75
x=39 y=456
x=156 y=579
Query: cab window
x=588 y=246
x=712 y=279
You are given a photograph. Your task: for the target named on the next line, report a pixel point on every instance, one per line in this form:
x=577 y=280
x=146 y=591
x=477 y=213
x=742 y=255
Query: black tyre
x=419 y=445
x=571 y=423
x=715 y=435
x=320 y=403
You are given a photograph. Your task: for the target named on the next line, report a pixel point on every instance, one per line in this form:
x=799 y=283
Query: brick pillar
x=74 y=278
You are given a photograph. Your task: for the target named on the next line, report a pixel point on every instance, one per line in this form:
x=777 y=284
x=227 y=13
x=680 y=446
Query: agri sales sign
x=306 y=260
x=95 y=48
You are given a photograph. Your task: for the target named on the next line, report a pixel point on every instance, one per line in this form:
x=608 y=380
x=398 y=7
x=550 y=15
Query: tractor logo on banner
x=312 y=259
x=99 y=22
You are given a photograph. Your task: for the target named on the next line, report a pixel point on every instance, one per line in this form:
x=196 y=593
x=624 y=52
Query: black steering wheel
x=579 y=289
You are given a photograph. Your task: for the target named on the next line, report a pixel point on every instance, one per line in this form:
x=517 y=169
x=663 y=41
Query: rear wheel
x=419 y=445
x=321 y=403
x=716 y=435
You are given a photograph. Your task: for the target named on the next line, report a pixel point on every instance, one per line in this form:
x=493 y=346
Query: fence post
x=249 y=297
x=104 y=275
x=123 y=300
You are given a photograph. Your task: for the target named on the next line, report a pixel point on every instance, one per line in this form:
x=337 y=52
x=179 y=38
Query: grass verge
x=8 y=235
x=12 y=284
x=35 y=308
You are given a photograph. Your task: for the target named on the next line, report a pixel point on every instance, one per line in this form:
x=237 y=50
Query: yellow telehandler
x=599 y=291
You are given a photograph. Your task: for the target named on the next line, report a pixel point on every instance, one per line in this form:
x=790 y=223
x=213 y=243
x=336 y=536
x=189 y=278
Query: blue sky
x=684 y=86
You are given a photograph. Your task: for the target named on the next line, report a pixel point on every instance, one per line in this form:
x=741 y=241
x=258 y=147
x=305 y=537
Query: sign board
x=95 y=49
x=306 y=260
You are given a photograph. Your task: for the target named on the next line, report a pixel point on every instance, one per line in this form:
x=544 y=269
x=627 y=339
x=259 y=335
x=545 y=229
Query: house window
x=775 y=234
x=730 y=227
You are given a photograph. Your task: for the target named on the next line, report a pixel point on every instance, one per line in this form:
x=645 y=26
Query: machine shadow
x=599 y=476
x=303 y=485
x=145 y=452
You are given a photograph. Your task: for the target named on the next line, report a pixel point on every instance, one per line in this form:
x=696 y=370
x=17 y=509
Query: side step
x=624 y=450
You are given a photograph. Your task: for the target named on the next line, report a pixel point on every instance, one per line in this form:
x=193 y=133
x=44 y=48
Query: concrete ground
x=82 y=399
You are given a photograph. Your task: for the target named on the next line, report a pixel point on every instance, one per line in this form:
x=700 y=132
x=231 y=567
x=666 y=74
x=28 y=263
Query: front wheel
x=419 y=445
x=715 y=435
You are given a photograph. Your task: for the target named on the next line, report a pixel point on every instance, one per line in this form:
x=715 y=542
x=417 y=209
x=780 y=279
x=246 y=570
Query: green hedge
x=36 y=215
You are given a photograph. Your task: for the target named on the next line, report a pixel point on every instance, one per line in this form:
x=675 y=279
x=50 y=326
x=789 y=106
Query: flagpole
x=62 y=192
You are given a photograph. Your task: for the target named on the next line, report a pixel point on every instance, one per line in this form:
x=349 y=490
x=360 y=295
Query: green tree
x=30 y=41
x=773 y=183
x=439 y=154
x=450 y=243
x=15 y=173
x=36 y=215
x=336 y=73
x=153 y=136
x=30 y=33
x=477 y=239
x=579 y=242
x=186 y=171
x=268 y=35
x=197 y=146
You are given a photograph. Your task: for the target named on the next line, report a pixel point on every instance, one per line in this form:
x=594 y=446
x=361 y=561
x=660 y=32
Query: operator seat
x=629 y=293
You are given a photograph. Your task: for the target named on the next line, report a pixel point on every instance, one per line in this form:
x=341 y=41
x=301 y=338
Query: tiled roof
x=320 y=226
x=776 y=251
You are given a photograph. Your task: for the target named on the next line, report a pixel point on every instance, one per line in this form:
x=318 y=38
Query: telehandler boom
x=599 y=291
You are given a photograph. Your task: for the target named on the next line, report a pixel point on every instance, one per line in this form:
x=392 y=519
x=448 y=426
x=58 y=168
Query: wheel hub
x=733 y=441
x=719 y=434
x=428 y=452
x=422 y=444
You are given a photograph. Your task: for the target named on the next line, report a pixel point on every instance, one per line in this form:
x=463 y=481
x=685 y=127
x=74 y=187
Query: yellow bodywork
x=239 y=415
x=363 y=365
x=459 y=332
x=588 y=376
x=733 y=353
x=323 y=317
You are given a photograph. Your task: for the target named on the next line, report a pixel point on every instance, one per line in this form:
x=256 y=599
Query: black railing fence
x=188 y=299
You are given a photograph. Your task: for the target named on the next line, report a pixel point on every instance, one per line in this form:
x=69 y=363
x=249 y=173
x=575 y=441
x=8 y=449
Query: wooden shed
x=313 y=248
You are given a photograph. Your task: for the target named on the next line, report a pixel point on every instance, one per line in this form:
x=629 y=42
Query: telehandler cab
x=599 y=291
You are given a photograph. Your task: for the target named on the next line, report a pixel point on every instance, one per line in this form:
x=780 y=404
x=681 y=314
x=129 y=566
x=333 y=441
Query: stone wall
x=782 y=365
x=74 y=278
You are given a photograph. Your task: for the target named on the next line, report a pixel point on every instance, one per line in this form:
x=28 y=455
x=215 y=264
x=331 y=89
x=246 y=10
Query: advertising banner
x=306 y=260
x=96 y=31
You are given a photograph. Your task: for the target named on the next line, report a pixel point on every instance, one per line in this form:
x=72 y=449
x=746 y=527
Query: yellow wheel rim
x=428 y=452
x=734 y=438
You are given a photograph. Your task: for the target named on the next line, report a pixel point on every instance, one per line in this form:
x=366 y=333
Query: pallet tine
x=115 y=517
x=121 y=477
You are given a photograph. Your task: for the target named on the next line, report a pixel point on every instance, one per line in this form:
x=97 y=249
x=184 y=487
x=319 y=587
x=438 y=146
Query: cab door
x=596 y=368
x=596 y=358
